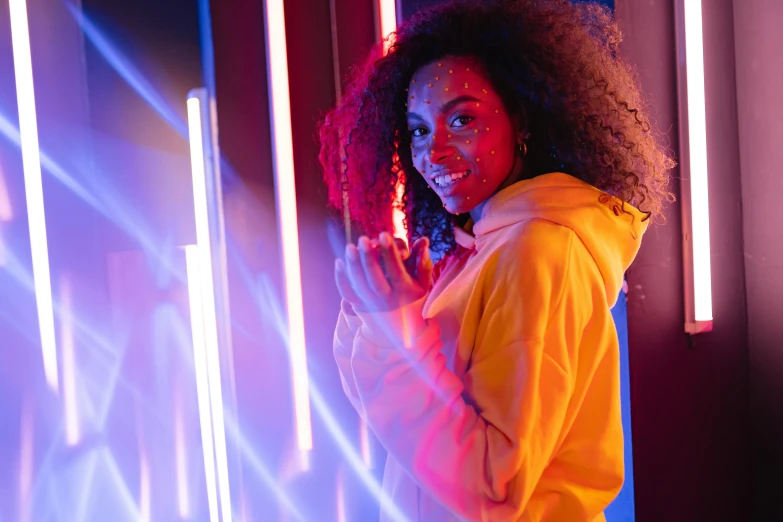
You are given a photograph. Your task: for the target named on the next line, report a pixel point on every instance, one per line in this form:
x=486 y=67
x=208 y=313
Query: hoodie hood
x=611 y=235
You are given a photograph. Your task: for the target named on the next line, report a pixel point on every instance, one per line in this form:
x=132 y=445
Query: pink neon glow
x=25 y=462
x=364 y=443
x=180 y=452
x=70 y=401
x=340 y=500
x=697 y=139
x=280 y=105
x=202 y=379
x=387 y=9
x=31 y=161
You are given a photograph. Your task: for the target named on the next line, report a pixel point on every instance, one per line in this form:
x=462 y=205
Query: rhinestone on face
x=447 y=89
x=467 y=141
x=427 y=102
x=492 y=152
x=429 y=85
x=459 y=158
x=466 y=85
x=487 y=129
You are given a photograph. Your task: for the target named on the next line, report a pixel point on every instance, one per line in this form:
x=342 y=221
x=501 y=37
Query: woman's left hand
x=375 y=279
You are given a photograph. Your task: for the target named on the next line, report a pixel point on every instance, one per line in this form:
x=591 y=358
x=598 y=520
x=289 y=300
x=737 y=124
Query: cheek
x=491 y=155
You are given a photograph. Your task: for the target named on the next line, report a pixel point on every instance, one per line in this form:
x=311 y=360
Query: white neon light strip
x=697 y=139
x=207 y=288
x=31 y=160
x=202 y=378
x=277 y=64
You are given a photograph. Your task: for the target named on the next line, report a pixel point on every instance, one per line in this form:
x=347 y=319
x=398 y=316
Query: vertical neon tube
x=31 y=160
x=387 y=12
x=285 y=186
x=206 y=285
x=697 y=139
x=202 y=378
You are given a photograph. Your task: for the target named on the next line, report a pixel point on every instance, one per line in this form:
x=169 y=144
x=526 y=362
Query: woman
x=530 y=167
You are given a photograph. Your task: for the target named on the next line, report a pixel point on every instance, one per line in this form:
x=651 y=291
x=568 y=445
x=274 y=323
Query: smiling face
x=463 y=141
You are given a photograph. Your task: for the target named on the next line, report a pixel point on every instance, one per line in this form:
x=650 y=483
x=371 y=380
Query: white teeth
x=447 y=179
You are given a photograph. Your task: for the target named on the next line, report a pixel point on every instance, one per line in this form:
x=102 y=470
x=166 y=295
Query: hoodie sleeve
x=344 y=335
x=482 y=459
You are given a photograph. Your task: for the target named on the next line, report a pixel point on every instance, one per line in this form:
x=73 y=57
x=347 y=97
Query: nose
x=441 y=149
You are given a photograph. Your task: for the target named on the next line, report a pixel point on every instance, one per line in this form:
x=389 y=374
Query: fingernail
x=385 y=239
x=350 y=251
x=339 y=265
x=364 y=243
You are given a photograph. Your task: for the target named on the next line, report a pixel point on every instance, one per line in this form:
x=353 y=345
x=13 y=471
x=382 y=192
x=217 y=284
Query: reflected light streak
x=364 y=443
x=202 y=379
x=26 y=461
x=6 y=212
x=144 y=487
x=68 y=363
x=269 y=305
x=209 y=314
x=180 y=455
x=127 y=71
x=28 y=129
x=255 y=464
x=117 y=212
x=119 y=483
x=285 y=186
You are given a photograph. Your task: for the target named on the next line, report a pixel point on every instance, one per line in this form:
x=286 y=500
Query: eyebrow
x=446 y=107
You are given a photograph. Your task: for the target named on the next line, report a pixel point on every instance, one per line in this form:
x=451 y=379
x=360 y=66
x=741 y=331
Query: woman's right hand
x=417 y=263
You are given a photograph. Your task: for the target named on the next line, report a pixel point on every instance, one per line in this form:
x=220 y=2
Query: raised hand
x=376 y=276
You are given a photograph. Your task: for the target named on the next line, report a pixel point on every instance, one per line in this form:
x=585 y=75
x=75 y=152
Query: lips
x=448 y=179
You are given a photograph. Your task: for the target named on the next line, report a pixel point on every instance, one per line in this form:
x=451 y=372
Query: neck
x=514 y=176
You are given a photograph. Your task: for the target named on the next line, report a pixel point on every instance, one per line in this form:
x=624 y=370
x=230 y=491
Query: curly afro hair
x=554 y=64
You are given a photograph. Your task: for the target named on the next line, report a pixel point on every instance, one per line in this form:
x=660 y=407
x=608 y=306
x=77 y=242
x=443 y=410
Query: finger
x=344 y=282
x=372 y=268
x=391 y=258
x=402 y=246
x=356 y=273
x=424 y=266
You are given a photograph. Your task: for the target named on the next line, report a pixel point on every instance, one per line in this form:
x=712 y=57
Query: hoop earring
x=524 y=151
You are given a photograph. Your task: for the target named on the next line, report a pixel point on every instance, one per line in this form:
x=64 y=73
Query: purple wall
x=690 y=395
x=759 y=80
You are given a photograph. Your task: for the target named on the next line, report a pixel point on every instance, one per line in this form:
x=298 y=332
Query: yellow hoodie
x=497 y=396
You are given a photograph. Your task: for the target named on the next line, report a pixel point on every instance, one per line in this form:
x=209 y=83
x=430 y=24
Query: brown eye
x=461 y=121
